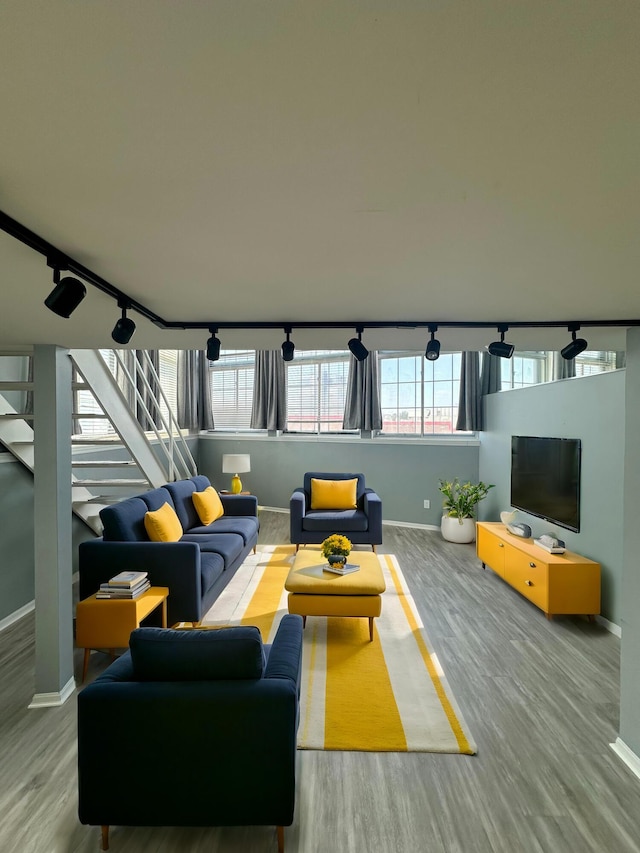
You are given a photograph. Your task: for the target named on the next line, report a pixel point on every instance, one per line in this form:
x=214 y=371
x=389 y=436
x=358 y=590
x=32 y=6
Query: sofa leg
x=297 y=548
x=280 y=839
x=105 y=837
x=374 y=549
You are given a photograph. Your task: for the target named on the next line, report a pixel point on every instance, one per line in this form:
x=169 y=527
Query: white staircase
x=141 y=459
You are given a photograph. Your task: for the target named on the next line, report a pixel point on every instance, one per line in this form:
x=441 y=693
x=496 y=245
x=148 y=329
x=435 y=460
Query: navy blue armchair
x=193 y=728
x=362 y=524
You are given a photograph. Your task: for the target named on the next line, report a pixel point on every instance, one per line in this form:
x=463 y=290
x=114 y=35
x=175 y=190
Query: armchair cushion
x=162 y=654
x=333 y=494
x=329 y=521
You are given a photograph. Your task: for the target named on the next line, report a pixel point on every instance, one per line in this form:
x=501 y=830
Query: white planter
x=454 y=531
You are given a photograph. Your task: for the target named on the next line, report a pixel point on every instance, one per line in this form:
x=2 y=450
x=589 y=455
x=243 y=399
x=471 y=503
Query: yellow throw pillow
x=163 y=525
x=208 y=505
x=333 y=494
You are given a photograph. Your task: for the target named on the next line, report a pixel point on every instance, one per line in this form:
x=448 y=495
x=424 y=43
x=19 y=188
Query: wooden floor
x=540 y=698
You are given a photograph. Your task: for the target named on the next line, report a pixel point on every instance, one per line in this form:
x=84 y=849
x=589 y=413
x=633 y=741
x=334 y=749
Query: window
x=419 y=397
x=525 y=368
x=590 y=362
x=168 y=373
x=87 y=404
x=316 y=391
x=231 y=379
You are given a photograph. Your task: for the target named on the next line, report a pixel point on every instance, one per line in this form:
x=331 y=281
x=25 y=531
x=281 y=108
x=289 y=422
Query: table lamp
x=236 y=463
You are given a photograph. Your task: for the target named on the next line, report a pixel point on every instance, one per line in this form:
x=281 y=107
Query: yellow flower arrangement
x=336 y=544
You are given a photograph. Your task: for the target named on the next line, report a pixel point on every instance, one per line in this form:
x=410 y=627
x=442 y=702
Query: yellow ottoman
x=316 y=592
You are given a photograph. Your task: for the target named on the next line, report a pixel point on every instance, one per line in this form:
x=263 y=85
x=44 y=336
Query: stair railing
x=165 y=428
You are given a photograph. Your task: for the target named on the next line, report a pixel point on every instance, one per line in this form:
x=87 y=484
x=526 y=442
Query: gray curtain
x=269 y=406
x=362 y=408
x=470 y=402
x=563 y=368
x=491 y=376
x=195 y=411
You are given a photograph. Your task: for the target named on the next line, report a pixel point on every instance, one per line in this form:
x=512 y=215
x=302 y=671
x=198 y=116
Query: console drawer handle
x=533 y=565
x=500 y=545
x=529 y=583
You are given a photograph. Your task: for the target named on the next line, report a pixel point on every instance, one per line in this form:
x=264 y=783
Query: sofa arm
x=285 y=657
x=373 y=511
x=297 y=510
x=240 y=505
x=175 y=565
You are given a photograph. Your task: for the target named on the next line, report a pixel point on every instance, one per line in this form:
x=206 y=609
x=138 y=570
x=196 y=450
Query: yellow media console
x=556 y=583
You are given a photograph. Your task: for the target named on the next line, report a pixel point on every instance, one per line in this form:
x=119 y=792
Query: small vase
x=336 y=559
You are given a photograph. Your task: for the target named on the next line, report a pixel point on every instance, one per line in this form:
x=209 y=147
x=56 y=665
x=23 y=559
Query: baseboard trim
x=627 y=755
x=611 y=627
x=390 y=523
x=17 y=615
x=54 y=700
x=414 y=524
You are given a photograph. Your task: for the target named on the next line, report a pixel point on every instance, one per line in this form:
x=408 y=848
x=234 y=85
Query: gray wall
x=629 y=679
x=16 y=536
x=404 y=475
x=17 y=563
x=590 y=408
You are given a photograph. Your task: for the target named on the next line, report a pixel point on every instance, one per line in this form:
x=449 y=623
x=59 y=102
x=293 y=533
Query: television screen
x=545 y=478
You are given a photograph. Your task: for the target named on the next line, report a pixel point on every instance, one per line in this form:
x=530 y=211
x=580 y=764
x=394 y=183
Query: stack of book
x=125 y=585
x=344 y=569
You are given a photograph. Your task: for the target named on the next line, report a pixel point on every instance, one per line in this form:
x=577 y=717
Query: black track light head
x=288 y=346
x=433 y=347
x=65 y=297
x=213 y=346
x=124 y=327
x=358 y=349
x=575 y=346
x=500 y=348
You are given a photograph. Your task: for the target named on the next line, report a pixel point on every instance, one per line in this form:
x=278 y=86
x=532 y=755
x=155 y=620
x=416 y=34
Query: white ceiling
x=355 y=160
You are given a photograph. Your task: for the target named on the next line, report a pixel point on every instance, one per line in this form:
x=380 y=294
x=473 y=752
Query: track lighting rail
x=59 y=260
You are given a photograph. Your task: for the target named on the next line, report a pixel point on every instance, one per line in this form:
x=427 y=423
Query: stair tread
x=114 y=483
x=15 y=385
x=104 y=463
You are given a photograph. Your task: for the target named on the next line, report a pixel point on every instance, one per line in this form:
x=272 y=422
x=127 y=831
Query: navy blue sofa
x=193 y=728
x=196 y=569
x=362 y=525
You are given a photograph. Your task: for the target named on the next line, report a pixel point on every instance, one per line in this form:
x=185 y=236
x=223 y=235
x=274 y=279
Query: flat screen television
x=545 y=478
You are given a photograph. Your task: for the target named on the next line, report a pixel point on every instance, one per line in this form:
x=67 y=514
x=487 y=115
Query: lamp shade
x=236 y=463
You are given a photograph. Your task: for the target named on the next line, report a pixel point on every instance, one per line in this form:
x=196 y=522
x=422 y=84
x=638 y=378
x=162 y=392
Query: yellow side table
x=107 y=623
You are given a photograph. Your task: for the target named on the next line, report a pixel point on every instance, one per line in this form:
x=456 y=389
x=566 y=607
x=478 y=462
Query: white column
x=54 y=681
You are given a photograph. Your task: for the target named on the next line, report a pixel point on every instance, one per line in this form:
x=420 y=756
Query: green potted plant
x=460 y=502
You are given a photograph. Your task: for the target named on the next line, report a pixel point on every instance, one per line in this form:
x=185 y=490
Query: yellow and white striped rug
x=389 y=695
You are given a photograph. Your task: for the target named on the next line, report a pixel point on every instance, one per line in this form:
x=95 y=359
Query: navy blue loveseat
x=196 y=569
